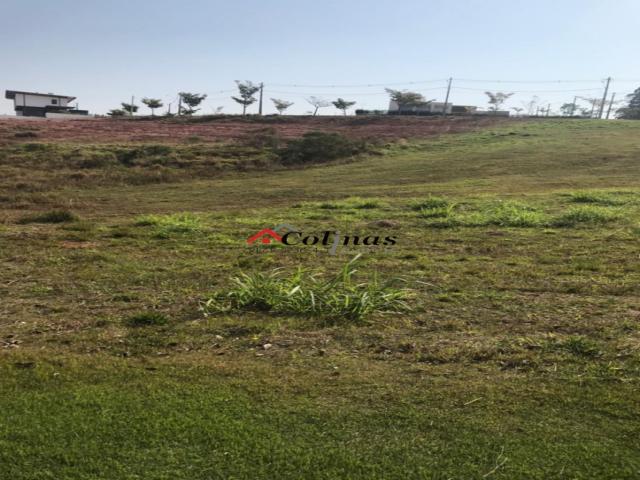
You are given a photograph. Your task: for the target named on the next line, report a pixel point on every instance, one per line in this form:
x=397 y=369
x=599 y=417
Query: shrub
x=54 y=216
x=339 y=297
x=319 y=147
x=585 y=215
x=146 y=319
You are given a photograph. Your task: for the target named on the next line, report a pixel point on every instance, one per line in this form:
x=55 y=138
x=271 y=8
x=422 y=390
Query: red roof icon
x=265 y=236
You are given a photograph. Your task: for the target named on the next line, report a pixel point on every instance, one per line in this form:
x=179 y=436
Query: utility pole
x=260 y=105
x=604 y=97
x=169 y=108
x=446 y=99
x=548 y=109
x=131 y=111
x=613 y=97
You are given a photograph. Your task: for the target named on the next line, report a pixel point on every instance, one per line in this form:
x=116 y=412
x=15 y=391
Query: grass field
x=515 y=356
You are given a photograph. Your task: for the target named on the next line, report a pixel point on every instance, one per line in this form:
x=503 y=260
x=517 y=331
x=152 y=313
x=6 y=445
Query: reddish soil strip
x=106 y=130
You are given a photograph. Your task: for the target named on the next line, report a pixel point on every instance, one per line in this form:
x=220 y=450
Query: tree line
x=189 y=103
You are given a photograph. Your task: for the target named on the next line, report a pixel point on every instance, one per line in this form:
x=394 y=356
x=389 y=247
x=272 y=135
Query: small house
x=47 y=105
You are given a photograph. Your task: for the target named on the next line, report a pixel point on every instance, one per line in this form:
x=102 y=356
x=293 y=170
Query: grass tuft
x=53 y=216
x=596 y=198
x=587 y=215
x=339 y=297
x=168 y=225
x=581 y=346
x=429 y=203
x=146 y=319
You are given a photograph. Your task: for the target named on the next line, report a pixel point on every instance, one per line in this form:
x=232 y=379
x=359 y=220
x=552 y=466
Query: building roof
x=11 y=94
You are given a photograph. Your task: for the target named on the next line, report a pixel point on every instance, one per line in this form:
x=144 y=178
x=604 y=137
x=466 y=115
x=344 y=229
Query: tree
x=246 y=91
x=191 y=100
x=153 y=103
x=130 y=108
x=343 y=105
x=116 y=112
x=632 y=110
x=595 y=105
x=517 y=110
x=281 y=105
x=406 y=99
x=531 y=104
x=317 y=103
x=568 y=109
x=497 y=99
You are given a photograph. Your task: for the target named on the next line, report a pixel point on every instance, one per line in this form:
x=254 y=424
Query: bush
x=54 y=216
x=146 y=319
x=319 y=147
x=302 y=293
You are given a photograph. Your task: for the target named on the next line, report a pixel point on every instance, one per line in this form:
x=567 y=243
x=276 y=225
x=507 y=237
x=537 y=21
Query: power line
x=532 y=91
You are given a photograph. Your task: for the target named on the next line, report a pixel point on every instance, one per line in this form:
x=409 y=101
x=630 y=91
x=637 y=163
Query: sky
x=105 y=52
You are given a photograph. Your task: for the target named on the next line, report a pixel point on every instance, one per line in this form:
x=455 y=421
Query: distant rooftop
x=11 y=95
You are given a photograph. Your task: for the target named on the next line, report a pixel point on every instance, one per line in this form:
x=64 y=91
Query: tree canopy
x=246 y=91
x=343 y=105
x=318 y=102
x=129 y=107
x=496 y=99
x=152 y=103
x=632 y=110
x=190 y=101
x=406 y=99
x=281 y=105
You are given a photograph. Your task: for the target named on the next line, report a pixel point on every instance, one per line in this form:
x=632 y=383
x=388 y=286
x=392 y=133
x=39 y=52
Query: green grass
x=587 y=215
x=598 y=198
x=165 y=226
x=340 y=297
x=518 y=356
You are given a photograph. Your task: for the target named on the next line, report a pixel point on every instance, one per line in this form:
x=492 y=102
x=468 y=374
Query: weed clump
x=429 y=203
x=146 y=319
x=319 y=147
x=580 y=346
x=596 y=198
x=53 y=216
x=587 y=215
x=302 y=293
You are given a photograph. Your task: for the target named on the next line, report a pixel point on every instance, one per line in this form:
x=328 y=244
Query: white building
x=432 y=108
x=49 y=105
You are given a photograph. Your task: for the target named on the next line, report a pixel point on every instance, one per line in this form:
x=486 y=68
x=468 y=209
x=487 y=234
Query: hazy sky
x=105 y=52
